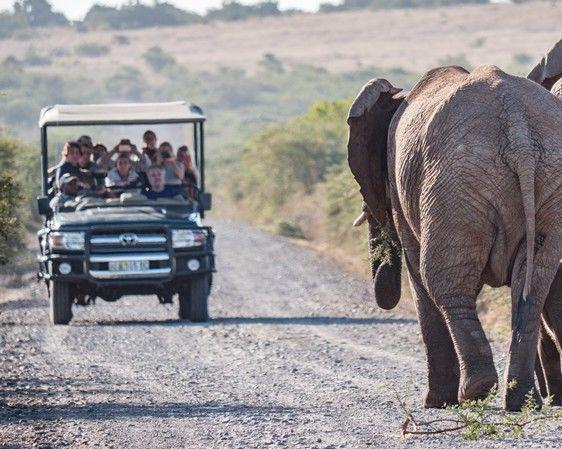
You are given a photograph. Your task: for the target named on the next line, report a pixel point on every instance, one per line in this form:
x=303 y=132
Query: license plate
x=129 y=265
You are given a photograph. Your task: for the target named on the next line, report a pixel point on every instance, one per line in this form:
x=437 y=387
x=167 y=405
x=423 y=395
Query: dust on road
x=296 y=355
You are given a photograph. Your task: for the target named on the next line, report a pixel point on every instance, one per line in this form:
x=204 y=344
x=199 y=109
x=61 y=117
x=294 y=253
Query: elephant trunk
x=385 y=254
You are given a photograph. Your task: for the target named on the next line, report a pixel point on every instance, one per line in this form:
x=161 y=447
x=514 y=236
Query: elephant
x=548 y=73
x=547 y=366
x=464 y=175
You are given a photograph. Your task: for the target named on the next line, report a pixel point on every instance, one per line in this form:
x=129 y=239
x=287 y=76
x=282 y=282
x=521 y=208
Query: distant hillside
x=408 y=39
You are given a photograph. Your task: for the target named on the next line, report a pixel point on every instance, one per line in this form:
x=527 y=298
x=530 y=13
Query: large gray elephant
x=465 y=174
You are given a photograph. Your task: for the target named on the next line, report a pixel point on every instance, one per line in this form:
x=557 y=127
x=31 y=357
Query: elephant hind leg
x=452 y=266
x=549 y=364
x=442 y=362
x=551 y=342
x=522 y=354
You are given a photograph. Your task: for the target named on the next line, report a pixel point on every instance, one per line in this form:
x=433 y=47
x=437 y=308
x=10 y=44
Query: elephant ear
x=549 y=69
x=369 y=119
x=557 y=89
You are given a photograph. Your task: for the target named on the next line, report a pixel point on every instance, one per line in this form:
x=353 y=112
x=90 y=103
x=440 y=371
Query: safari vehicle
x=108 y=248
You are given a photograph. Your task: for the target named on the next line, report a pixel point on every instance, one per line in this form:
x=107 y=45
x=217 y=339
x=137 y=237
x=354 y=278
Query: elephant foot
x=516 y=398
x=440 y=397
x=473 y=388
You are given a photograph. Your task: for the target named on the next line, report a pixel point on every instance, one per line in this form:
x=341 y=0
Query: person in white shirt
x=123 y=174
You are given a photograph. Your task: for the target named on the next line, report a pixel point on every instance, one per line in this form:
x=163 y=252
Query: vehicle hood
x=124 y=215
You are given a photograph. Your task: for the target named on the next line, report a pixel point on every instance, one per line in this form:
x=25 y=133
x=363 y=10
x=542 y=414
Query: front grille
x=127 y=240
x=124 y=255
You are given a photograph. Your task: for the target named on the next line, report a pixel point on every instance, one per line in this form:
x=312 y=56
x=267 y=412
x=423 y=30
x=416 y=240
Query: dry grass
x=412 y=39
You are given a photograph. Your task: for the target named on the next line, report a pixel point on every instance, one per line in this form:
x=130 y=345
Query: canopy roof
x=120 y=114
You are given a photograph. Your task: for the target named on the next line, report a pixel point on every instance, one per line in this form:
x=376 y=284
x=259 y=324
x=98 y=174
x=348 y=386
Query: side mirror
x=43 y=205
x=205 y=201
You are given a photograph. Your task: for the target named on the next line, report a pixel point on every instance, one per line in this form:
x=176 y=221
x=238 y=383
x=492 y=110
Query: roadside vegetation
x=17 y=168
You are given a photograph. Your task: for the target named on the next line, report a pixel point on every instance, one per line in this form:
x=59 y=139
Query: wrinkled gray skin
x=468 y=171
x=548 y=73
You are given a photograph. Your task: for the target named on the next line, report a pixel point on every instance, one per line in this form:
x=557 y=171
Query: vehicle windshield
x=177 y=204
x=121 y=165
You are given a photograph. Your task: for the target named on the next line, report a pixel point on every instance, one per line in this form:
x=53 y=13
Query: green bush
x=33 y=58
x=121 y=39
x=290 y=229
x=16 y=169
x=233 y=10
x=91 y=50
x=10 y=227
x=127 y=84
x=157 y=58
x=138 y=15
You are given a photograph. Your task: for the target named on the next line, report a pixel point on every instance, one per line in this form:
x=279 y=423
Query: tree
x=37 y=13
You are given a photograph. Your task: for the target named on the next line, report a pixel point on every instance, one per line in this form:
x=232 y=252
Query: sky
x=76 y=9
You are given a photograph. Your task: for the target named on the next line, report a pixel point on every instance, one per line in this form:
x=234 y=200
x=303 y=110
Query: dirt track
x=295 y=356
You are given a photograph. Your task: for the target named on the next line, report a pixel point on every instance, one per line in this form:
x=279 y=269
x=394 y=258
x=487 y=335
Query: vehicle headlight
x=67 y=240
x=187 y=238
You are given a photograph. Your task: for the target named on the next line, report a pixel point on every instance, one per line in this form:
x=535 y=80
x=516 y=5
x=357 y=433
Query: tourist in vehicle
x=98 y=151
x=124 y=146
x=69 y=186
x=85 y=140
x=71 y=154
x=191 y=172
x=150 y=140
x=123 y=174
x=86 y=162
x=158 y=189
x=174 y=170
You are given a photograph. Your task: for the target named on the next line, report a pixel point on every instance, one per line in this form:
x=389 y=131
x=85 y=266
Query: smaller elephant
x=547 y=366
x=548 y=73
x=549 y=69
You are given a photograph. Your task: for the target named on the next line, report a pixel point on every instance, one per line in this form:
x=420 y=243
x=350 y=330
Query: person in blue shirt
x=157 y=187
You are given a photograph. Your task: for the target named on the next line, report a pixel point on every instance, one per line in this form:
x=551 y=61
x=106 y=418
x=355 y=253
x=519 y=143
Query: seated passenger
x=157 y=187
x=123 y=174
x=85 y=140
x=99 y=150
x=124 y=147
x=68 y=190
x=149 y=139
x=174 y=170
x=191 y=173
x=71 y=154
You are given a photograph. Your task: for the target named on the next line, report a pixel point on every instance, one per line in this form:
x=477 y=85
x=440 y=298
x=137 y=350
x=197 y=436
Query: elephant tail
x=526 y=175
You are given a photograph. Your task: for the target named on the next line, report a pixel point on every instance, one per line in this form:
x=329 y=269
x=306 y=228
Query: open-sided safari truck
x=110 y=247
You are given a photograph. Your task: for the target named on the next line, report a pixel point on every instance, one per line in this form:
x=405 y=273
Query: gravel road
x=295 y=355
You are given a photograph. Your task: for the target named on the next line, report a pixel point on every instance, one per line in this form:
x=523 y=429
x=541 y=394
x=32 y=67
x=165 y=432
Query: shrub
x=523 y=59
x=91 y=50
x=138 y=15
x=10 y=228
x=290 y=229
x=121 y=39
x=157 y=58
x=127 y=84
x=459 y=60
x=35 y=59
x=231 y=11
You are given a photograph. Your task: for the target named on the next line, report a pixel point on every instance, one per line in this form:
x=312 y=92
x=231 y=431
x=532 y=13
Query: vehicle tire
x=60 y=303
x=193 y=300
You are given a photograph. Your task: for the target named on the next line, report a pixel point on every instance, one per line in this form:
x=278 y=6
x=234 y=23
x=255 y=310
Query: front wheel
x=193 y=300
x=60 y=302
